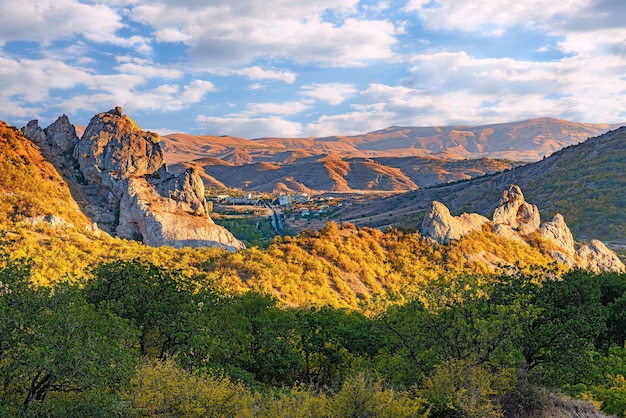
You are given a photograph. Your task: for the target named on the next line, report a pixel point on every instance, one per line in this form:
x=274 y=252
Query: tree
x=53 y=341
x=164 y=306
x=570 y=319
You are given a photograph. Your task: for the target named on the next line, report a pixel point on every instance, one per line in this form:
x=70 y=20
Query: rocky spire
x=515 y=212
x=62 y=135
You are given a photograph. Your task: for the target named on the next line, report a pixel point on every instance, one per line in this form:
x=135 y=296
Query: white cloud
x=145 y=68
x=236 y=33
x=332 y=93
x=289 y=108
x=196 y=90
x=471 y=15
x=48 y=20
x=258 y=73
x=272 y=126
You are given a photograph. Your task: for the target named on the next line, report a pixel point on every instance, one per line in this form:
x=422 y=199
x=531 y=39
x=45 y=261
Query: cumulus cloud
x=271 y=126
x=236 y=33
x=257 y=73
x=471 y=15
x=332 y=93
x=48 y=20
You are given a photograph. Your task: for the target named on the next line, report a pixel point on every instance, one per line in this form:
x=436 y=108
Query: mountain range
x=395 y=159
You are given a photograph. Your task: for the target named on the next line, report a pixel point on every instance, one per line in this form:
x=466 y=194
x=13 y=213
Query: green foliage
x=54 y=342
x=160 y=303
x=253 y=231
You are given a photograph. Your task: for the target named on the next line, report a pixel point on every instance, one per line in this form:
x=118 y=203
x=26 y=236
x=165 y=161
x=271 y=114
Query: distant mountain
x=393 y=159
x=583 y=182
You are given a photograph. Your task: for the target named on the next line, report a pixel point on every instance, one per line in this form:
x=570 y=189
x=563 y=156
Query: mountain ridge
x=419 y=156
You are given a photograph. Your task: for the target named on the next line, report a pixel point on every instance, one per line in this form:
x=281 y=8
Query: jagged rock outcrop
x=515 y=219
x=114 y=146
x=127 y=188
x=597 y=257
x=515 y=212
x=442 y=227
x=62 y=135
x=33 y=131
x=559 y=233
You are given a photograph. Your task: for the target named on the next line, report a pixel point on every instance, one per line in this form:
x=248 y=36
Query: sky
x=299 y=68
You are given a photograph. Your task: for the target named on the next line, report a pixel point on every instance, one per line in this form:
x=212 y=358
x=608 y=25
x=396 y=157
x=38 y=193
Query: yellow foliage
x=164 y=389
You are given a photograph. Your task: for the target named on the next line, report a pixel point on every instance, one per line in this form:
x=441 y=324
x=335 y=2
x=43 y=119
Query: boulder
x=442 y=227
x=62 y=135
x=515 y=212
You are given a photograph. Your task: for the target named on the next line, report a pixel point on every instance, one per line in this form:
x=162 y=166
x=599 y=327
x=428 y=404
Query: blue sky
x=284 y=68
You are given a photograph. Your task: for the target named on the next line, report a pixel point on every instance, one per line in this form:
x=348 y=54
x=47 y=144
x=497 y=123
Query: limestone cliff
x=515 y=219
x=125 y=185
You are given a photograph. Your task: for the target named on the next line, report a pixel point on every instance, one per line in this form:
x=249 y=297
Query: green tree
x=571 y=317
x=54 y=342
x=164 y=305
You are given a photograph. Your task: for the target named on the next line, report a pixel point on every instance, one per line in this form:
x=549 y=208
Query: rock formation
x=515 y=212
x=515 y=219
x=128 y=190
x=62 y=135
x=597 y=257
x=442 y=227
x=33 y=132
x=558 y=232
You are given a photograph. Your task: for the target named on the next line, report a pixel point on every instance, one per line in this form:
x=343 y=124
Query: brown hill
x=528 y=140
x=392 y=159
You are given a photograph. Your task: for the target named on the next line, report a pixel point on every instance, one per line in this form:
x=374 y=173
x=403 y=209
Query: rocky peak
x=62 y=135
x=113 y=145
x=514 y=219
x=515 y=212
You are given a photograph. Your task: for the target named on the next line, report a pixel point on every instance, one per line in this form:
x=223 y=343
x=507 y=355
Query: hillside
x=394 y=159
x=30 y=186
x=583 y=182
